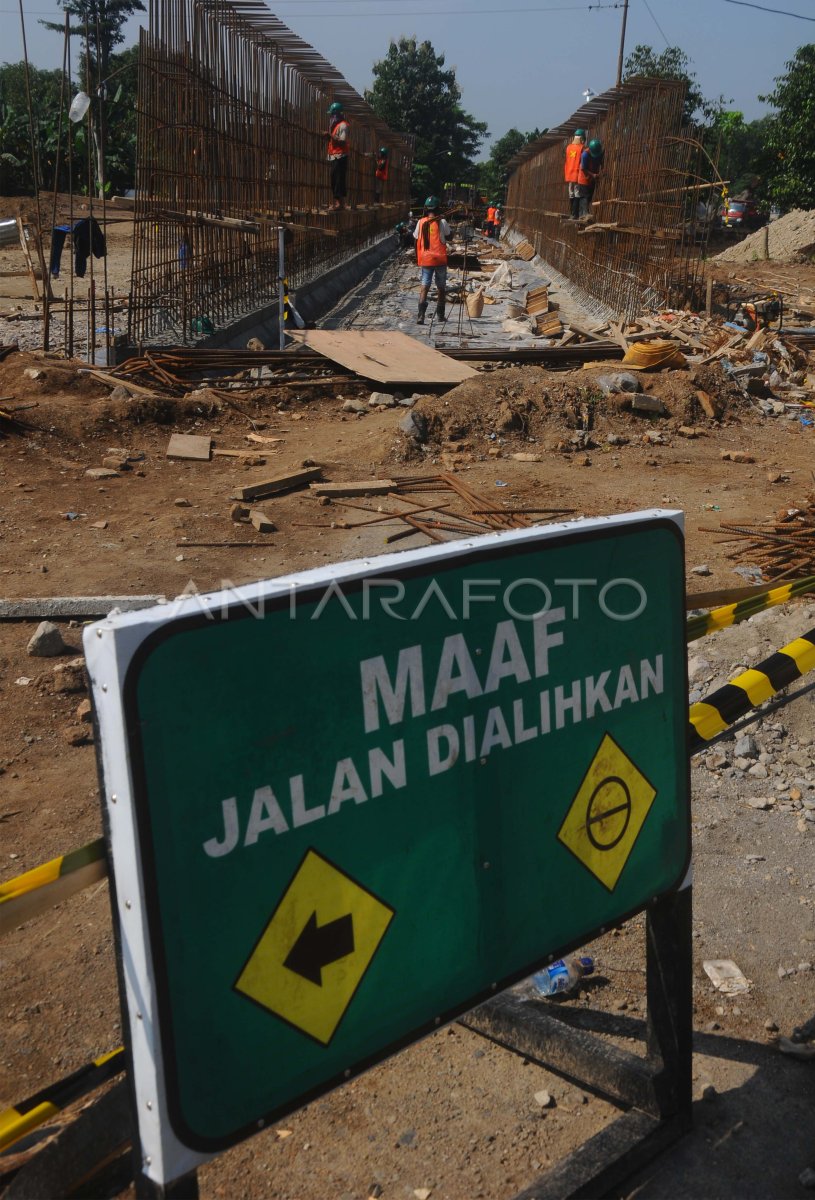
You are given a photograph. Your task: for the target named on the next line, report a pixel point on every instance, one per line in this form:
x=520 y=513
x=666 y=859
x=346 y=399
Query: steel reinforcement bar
x=651 y=207
x=232 y=144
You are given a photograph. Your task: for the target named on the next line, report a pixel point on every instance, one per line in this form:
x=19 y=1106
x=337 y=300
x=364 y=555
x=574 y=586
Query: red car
x=743 y=214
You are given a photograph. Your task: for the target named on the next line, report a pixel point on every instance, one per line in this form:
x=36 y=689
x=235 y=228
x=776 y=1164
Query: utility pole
x=622 y=46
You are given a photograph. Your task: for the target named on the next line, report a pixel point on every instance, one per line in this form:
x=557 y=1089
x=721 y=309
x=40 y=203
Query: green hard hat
x=596 y=146
x=431 y=202
x=580 y=133
x=336 y=107
x=384 y=150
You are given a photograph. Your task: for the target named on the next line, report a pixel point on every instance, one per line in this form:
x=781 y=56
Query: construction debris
x=284 y=482
x=190 y=445
x=782 y=547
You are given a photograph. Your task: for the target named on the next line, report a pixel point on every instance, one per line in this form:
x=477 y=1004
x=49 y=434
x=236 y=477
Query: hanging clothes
x=88 y=238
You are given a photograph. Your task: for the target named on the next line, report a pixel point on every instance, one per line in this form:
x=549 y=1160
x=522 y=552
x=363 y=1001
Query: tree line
x=413 y=91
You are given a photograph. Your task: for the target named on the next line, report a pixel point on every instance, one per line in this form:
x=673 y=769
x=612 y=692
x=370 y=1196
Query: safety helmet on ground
x=579 y=133
x=431 y=202
x=596 y=146
x=336 y=107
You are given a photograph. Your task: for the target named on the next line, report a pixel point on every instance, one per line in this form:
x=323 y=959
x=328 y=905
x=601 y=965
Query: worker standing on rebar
x=489 y=224
x=431 y=234
x=381 y=173
x=591 y=164
x=571 y=170
x=338 y=149
x=496 y=223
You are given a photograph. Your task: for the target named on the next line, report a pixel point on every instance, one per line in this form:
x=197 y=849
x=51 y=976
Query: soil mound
x=519 y=405
x=790 y=239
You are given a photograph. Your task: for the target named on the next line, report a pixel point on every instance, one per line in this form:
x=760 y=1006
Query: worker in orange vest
x=591 y=164
x=431 y=234
x=380 y=174
x=571 y=170
x=489 y=224
x=338 y=149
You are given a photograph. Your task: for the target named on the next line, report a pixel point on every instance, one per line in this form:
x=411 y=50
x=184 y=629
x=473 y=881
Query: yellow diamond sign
x=312 y=955
x=607 y=814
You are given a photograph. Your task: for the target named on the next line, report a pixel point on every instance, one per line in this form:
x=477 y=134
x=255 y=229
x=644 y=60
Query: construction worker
x=380 y=174
x=496 y=224
x=591 y=164
x=338 y=148
x=431 y=234
x=489 y=224
x=571 y=170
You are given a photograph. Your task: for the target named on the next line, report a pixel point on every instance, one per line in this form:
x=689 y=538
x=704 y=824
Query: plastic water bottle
x=563 y=976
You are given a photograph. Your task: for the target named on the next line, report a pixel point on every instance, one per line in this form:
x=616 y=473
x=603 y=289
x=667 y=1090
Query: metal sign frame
x=115 y=650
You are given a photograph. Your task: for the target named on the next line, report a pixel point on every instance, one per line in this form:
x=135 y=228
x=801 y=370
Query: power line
x=656 y=22
x=781 y=11
x=435 y=12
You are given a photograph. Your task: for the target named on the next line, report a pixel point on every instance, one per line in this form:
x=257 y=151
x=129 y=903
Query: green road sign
x=351 y=804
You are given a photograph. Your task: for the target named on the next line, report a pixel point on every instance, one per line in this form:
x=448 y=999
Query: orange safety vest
x=336 y=147
x=585 y=179
x=430 y=249
x=382 y=168
x=490 y=214
x=572 y=168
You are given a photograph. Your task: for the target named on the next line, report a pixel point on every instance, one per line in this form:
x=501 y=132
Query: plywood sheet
x=189 y=445
x=385 y=356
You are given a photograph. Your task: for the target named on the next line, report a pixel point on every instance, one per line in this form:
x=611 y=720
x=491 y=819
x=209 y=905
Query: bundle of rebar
x=232 y=145
x=645 y=243
x=783 y=547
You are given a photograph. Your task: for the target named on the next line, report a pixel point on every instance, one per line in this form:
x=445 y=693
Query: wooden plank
x=584 y=331
x=525 y=250
x=254 y=457
x=277 y=483
x=189 y=445
x=537 y=300
x=618 y=335
x=362 y=487
x=261 y=522
x=384 y=356
x=29 y=264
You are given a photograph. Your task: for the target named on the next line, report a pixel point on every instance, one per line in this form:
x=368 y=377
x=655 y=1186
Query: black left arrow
x=318 y=946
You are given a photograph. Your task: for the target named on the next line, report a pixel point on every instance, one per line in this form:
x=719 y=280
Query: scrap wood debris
x=781 y=547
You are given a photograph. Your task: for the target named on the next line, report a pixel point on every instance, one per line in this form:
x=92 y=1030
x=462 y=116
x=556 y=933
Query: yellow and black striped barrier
x=712 y=716
x=16 y=1122
x=731 y=614
x=27 y=895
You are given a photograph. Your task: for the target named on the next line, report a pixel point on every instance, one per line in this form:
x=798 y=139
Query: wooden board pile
x=544 y=310
x=783 y=547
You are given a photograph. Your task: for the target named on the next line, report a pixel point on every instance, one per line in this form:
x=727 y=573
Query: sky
x=518 y=63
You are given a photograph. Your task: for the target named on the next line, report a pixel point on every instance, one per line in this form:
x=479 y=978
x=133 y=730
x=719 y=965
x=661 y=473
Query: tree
x=15 y=132
x=100 y=23
x=492 y=175
x=790 y=135
x=672 y=63
x=414 y=94
x=742 y=152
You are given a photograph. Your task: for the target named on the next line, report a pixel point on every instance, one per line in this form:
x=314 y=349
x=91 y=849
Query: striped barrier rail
x=710 y=717
x=26 y=1116
x=731 y=614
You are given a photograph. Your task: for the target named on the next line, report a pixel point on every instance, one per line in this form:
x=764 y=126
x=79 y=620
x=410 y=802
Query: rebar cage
x=232 y=143
x=652 y=207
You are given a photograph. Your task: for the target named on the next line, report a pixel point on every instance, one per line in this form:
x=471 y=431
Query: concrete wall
x=312 y=300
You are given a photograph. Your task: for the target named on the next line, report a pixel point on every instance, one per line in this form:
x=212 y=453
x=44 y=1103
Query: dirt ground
x=455 y=1116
